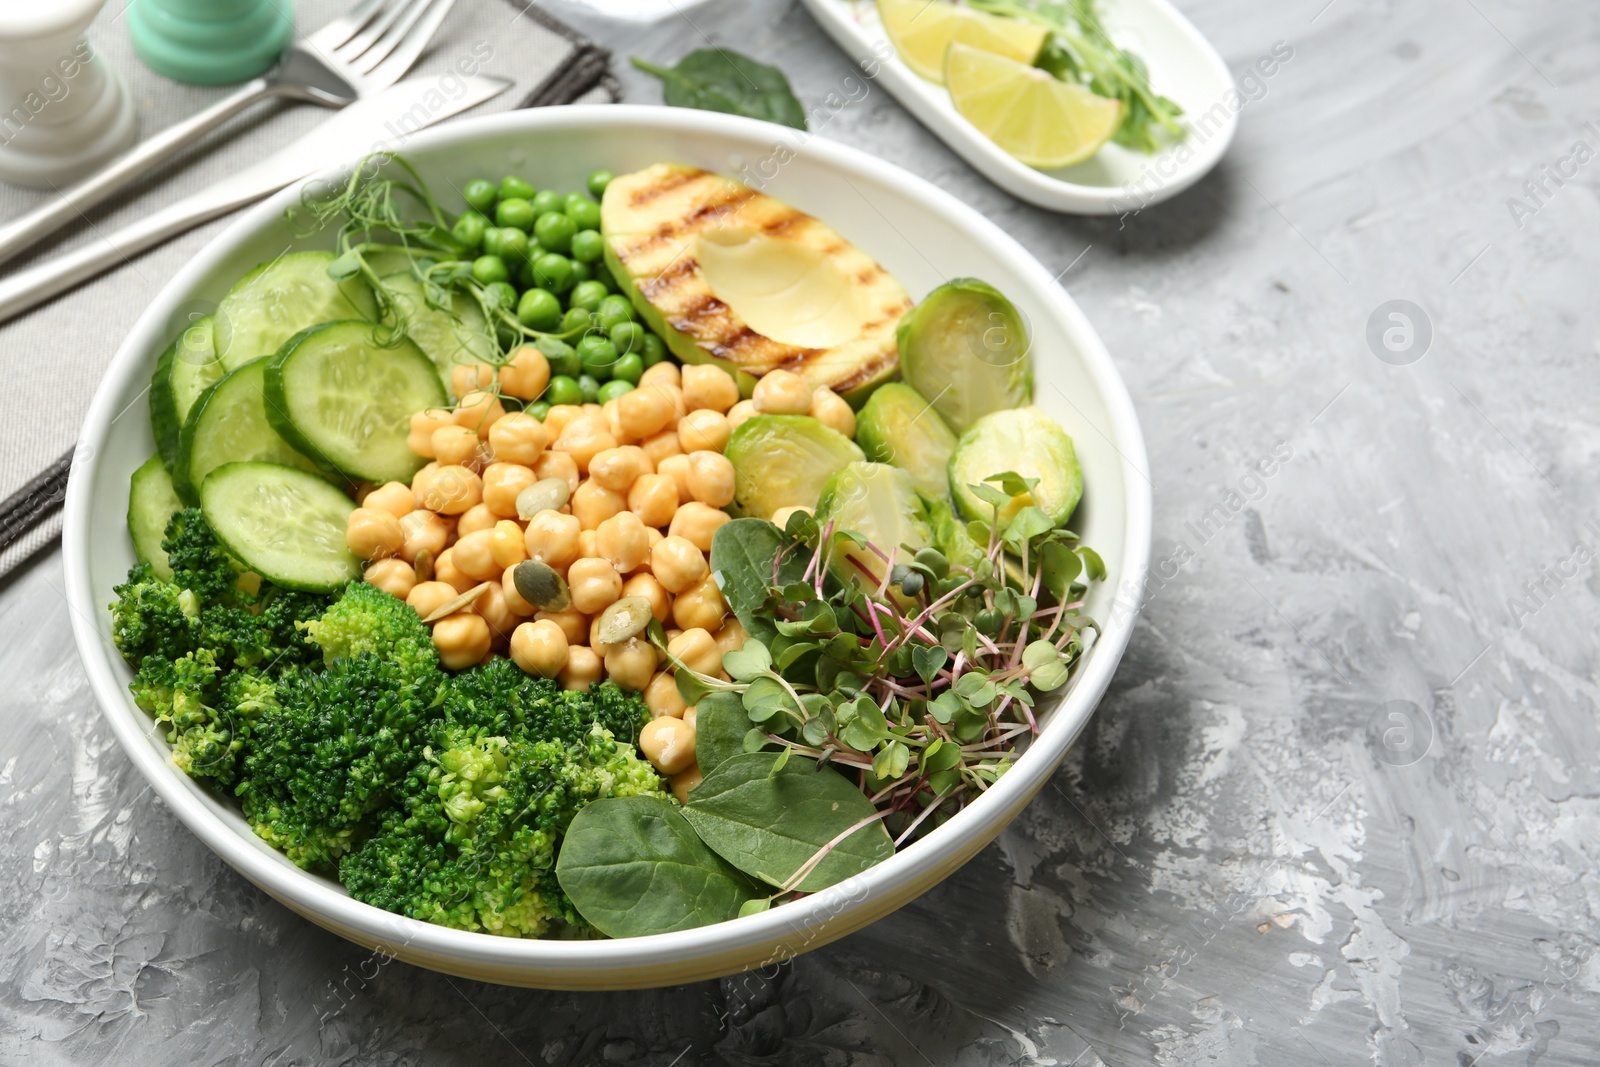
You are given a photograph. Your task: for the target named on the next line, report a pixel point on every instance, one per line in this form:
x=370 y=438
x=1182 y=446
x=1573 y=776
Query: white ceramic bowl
x=916 y=231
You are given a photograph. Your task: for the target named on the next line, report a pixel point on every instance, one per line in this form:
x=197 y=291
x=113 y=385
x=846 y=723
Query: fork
x=362 y=52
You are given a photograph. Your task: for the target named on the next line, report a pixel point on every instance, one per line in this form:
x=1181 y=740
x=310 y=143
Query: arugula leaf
x=715 y=79
x=768 y=821
x=634 y=866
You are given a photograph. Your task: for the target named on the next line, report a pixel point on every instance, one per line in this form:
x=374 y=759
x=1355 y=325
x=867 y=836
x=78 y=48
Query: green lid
x=210 y=42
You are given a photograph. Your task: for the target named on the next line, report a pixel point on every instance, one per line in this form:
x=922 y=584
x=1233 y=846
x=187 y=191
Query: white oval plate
x=920 y=234
x=1116 y=180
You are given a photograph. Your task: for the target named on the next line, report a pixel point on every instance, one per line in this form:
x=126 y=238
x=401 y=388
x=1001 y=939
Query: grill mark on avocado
x=656 y=189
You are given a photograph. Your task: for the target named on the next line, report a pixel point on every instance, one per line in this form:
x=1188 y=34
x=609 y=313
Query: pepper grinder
x=210 y=42
x=68 y=112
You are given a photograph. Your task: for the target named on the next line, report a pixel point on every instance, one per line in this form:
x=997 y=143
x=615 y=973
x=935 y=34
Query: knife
x=381 y=123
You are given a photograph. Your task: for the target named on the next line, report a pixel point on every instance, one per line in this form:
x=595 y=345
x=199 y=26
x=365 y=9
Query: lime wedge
x=1038 y=119
x=922 y=31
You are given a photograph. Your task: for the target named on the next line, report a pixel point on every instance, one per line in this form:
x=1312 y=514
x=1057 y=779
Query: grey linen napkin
x=54 y=356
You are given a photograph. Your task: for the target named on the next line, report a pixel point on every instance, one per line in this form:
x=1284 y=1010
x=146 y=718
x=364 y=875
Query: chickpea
x=582 y=670
x=462 y=639
x=525 y=374
x=662 y=698
x=477 y=517
x=583 y=439
x=423 y=423
x=668 y=743
x=677 y=468
x=599 y=646
x=618 y=468
x=594 y=411
x=552 y=538
x=518 y=438
x=833 y=411
x=703 y=430
x=394 y=497
x=514 y=601
x=593 y=504
x=699 y=523
x=557 y=418
x=445 y=570
x=709 y=387
x=666 y=372
x=420 y=480
x=622 y=540
x=731 y=636
x=468 y=377
x=614 y=423
x=654 y=498
x=631 y=664
x=663 y=445
x=781 y=517
x=587 y=544
x=473 y=556
x=455 y=445
x=496 y=611
x=743 y=410
x=424 y=531
x=573 y=624
x=645 y=585
x=426 y=598
x=677 y=564
x=655 y=536
x=684 y=781
x=782 y=392
x=393 y=576
x=691 y=715
x=506 y=544
x=451 y=490
x=539 y=648
x=557 y=465
x=697 y=650
x=478 y=411
x=711 y=478
x=373 y=534
x=594 y=584
x=645 y=412
x=501 y=484
x=680 y=408
x=700 y=605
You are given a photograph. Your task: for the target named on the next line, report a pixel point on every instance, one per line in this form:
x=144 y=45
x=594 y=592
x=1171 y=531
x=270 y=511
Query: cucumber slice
x=340 y=395
x=151 y=504
x=185 y=370
x=283 y=523
x=229 y=423
x=280 y=298
x=448 y=338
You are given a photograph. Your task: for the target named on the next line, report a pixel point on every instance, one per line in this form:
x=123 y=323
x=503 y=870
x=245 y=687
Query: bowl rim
x=311 y=895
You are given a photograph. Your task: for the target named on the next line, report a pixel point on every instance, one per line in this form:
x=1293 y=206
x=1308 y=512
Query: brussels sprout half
x=899 y=426
x=1027 y=442
x=966 y=348
x=880 y=503
x=784 y=461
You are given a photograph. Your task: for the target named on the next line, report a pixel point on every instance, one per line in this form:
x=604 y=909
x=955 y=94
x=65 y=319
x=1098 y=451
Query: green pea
x=628 y=368
x=470 y=228
x=539 y=310
x=614 y=310
x=490 y=268
x=590 y=386
x=581 y=272
x=549 y=200
x=597 y=182
x=653 y=352
x=513 y=244
x=502 y=294
x=553 y=272
x=614 y=388
x=563 y=390
x=513 y=187
x=480 y=194
x=514 y=212
x=627 y=336
x=588 y=246
x=598 y=354
x=587 y=295
x=538 y=409
x=491 y=240
x=602 y=274
x=576 y=318
x=563 y=358
x=555 y=231
x=583 y=211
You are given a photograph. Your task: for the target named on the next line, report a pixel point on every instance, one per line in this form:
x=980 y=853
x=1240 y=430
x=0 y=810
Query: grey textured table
x=1341 y=804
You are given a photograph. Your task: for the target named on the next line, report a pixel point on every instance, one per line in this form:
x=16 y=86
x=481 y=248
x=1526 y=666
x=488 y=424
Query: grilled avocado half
x=731 y=276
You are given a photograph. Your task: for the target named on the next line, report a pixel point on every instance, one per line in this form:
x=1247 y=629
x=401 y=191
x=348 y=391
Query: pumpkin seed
x=625 y=618
x=548 y=494
x=423 y=566
x=541 y=585
x=465 y=600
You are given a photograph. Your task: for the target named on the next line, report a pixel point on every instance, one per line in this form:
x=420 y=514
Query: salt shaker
x=68 y=112
x=210 y=42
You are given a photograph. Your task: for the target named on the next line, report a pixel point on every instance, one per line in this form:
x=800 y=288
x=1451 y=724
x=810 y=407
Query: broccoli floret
x=499 y=699
x=199 y=562
x=154 y=618
x=366 y=619
x=473 y=845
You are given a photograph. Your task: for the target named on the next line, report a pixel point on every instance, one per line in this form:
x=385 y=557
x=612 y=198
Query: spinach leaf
x=768 y=821
x=742 y=552
x=715 y=79
x=634 y=866
x=719 y=727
